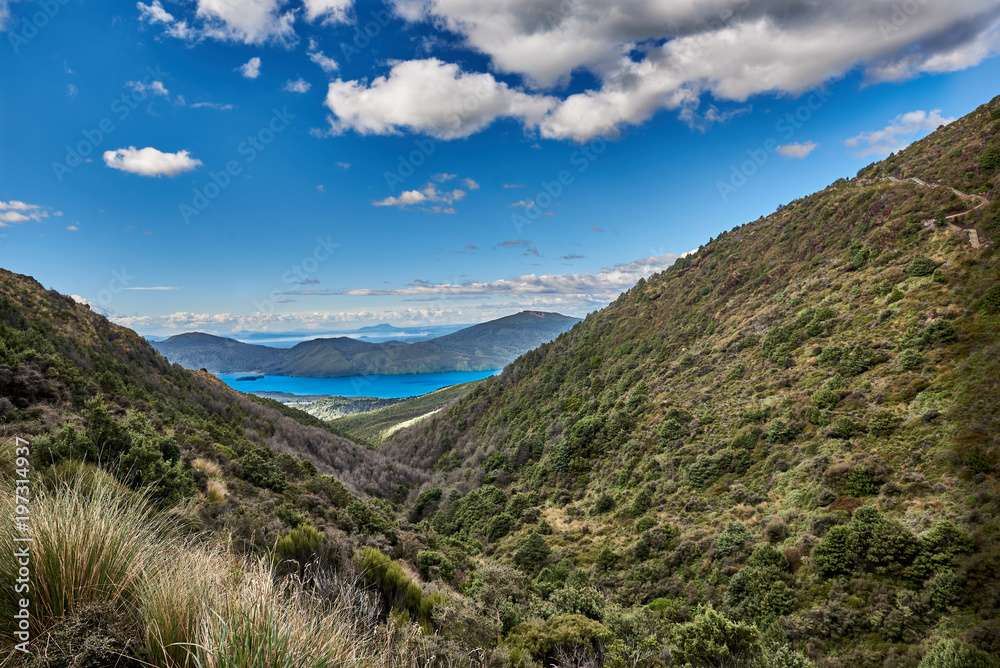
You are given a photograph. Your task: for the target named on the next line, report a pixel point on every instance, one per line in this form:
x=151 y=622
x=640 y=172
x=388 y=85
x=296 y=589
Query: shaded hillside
x=798 y=425
x=66 y=371
x=490 y=345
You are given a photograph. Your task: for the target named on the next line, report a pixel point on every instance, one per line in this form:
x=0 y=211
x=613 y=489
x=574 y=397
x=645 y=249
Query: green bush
x=561 y=634
x=991 y=300
x=910 y=360
x=301 y=546
x=644 y=523
x=870 y=542
x=712 y=640
x=780 y=431
x=428 y=559
x=605 y=503
x=883 y=422
x=260 y=467
x=857 y=361
x=989 y=159
x=671 y=430
x=641 y=503
x=754 y=415
x=498 y=527
x=534 y=551
x=825 y=398
x=843 y=427
x=921 y=266
x=732 y=538
x=367 y=519
x=745 y=440
x=760 y=589
x=860 y=482
x=957 y=654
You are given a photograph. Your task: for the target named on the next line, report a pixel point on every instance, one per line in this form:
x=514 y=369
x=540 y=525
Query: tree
x=712 y=641
x=532 y=553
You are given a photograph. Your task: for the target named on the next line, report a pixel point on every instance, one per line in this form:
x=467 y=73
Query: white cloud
x=250 y=69
x=331 y=11
x=71 y=90
x=898 y=134
x=318 y=57
x=155 y=14
x=16 y=211
x=437 y=201
x=649 y=56
x=149 y=161
x=470 y=184
x=212 y=105
x=246 y=21
x=797 y=150
x=72 y=228
x=153 y=88
x=431 y=97
x=604 y=285
x=300 y=85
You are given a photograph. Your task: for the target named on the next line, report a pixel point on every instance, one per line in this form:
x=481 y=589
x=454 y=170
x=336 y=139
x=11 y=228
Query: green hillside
x=371 y=426
x=797 y=425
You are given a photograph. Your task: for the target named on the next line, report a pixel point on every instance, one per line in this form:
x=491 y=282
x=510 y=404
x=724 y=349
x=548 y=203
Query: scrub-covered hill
x=798 y=426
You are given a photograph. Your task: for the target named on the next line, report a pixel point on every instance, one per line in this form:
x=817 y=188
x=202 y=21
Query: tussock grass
x=97 y=543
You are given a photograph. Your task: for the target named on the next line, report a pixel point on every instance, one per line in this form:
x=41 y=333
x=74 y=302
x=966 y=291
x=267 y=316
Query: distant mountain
x=490 y=345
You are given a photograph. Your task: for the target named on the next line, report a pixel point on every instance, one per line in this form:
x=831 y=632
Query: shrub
x=754 y=415
x=532 y=553
x=870 y=542
x=780 y=431
x=498 y=526
x=860 y=482
x=761 y=588
x=732 y=538
x=606 y=559
x=989 y=159
x=954 y=653
x=432 y=559
x=302 y=545
x=910 y=360
x=991 y=300
x=644 y=523
x=882 y=422
x=671 y=430
x=825 y=398
x=641 y=503
x=712 y=640
x=843 y=427
x=561 y=634
x=605 y=503
x=921 y=266
x=857 y=361
x=261 y=468
x=745 y=440
x=425 y=505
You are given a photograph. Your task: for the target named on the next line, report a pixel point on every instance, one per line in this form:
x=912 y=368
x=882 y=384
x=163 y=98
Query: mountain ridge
x=482 y=347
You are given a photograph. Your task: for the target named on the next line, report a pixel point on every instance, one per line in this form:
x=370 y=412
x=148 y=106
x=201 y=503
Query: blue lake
x=383 y=387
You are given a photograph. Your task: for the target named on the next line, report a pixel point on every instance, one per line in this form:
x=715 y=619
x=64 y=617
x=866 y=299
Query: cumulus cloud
x=246 y=21
x=152 y=88
x=797 y=150
x=330 y=11
x=432 y=199
x=300 y=85
x=16 y=211
x=150 y=161
x=327 y=64
x=898 y=134
x=651 y=57
x=250 y=69
x=430 y=97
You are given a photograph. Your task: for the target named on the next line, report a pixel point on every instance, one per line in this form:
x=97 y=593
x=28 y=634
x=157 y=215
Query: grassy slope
x=585 y=415
x=372 y=425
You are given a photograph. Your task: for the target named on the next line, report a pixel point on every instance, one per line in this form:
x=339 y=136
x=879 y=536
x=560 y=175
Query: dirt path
x=973 y=233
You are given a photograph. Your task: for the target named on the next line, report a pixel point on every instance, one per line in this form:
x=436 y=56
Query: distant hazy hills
x=490 y=345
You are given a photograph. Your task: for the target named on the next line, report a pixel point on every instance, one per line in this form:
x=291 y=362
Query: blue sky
x=227 y=165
